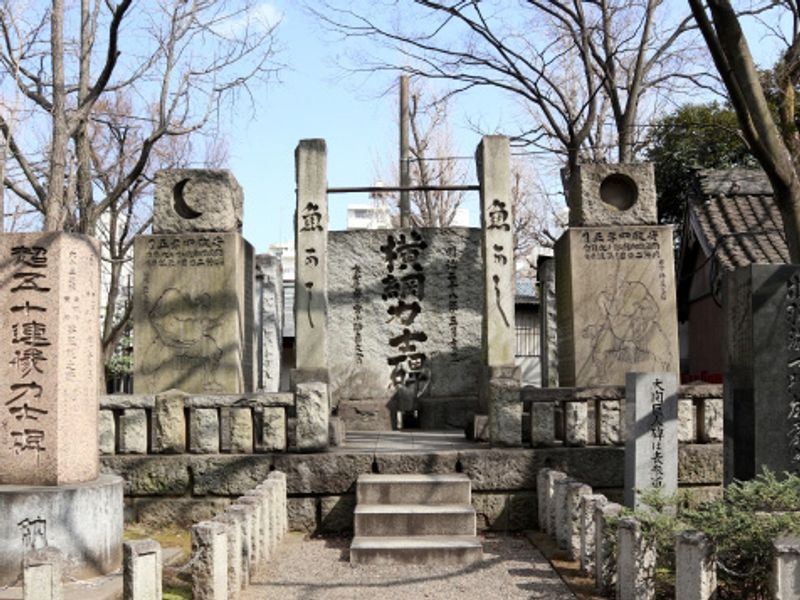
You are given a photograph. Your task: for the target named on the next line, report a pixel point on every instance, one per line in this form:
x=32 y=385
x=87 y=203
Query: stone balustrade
x=595 y=416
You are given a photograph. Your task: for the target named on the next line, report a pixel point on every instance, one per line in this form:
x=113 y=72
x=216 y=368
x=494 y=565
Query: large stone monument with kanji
x=50 y=492
x=615 y=282
x=193 y=304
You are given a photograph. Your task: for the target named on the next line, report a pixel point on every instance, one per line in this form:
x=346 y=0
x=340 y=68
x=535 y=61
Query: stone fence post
x=786 y=568
x=695 y=566
x=572 y=535
x=636 y=562
x=588 y=506
x=41 y=574
x=141 y=570
x=209 y=561
x=605 y=570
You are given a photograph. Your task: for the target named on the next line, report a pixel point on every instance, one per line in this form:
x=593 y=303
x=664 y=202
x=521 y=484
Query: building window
x=527 y=330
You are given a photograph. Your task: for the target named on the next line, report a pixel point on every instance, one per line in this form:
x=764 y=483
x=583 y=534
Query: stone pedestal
x=762 y=370
x=193 y=313
x=83 y=520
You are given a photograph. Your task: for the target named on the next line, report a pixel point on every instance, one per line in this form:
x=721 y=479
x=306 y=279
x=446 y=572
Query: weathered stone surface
x=601 y=195
x=505 y=413
x=651 y=424
x=481 y=428
x=245 y=515
x=560 y=511
x=302 y=514
x=636 y=562
x=546 y=276
x=107 y=432
x=193 y=313
x=209 y=561
x=150 y=475
x=700 y=463
x=712 y=420
x=336 y=513
x=610 y=423
x=361 y=338
x=514 y=511
x=269 y=276
x=236 y=427
x=543 y=424
x=312 y=406
x=615 y=315
x=695 y=567
x=576 y=423
x=273 y=429
x=204 y=431
x=169 y=423
x=785 y=581
x=41 y=575
x=418 y=462
x=574 y=493
x=133 y=431
x=228 y=475
x=141 y=570
x=169 y=511
x=48 y=316
x=336 y=431
x=588 y=507
x=197 y=200
x=604 y=542
x=365 y=415
x=232 y=521
x=687 y=427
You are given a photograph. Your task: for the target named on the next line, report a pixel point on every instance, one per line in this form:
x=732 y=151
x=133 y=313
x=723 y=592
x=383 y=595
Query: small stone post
x=312 y=405
x=169 y=423
x=232 y=522
x=543 y=424
x=651 y=446
x=695 y=567
x=209 y=561
x=505 y=412
x=550 y=523
x=605 y=574
x=256 y=540
x=609 y=422
x=262 y=497
x=542 y=498
x=576 y=423
x=589 y=504
x=572 y=534
x=41 y=575
x=561 y=511
x=245 y=514
x=636 y=562
x=141 y=570
x=283 y=515
x=786 y=568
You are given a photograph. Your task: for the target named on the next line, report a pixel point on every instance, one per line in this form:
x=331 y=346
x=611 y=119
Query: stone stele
x=49 y=371
x=193 y=313
x=612 y=194
x=196 y=201
x=616 y=304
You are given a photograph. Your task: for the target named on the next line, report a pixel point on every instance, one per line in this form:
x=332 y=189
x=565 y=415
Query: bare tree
x=775 y=146
x=535 y=219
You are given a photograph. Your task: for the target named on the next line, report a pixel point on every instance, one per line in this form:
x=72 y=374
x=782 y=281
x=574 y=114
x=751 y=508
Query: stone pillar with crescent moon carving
x=193 y=309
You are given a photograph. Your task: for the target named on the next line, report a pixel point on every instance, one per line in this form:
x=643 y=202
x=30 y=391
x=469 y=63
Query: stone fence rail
x=624 y=568
x=595 y=416
x=225 y=551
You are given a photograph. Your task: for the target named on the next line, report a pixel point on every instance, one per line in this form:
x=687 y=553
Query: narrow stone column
x=543 y=494
x=553 y=478
x=695 y=567
x=588 y=506
x=245 y=515
x=636 y=562
x=543 y=424
x=574 y=492
x=283 y=515
x=576 y=423
x=786 y=568
x=209 y=561
x=232 y=521
x=605 y=573
x=107 y=432
x=256 y=540
x=141 y=570
x=262 y=498
x=561 y=511
x=311 y=257
x=41 y=575
x=609 y=422
x=270 y=487
x=651 y=446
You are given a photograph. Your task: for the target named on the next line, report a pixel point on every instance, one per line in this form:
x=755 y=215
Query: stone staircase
x=415 y=519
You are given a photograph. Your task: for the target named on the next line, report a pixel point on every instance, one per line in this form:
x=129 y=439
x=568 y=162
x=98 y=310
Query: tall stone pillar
x=193 y=309
x=548 y=324
x=50 y=492
x=311 y=261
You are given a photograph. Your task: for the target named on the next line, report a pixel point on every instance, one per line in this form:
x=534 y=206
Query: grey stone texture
x=312 y=408
x=133 y=431
x=193 y=312
x=786 y=568
x=687 y=420
x=616 y=304
x=546 y=275
x=493 y=158
x=513 y=511
x=610 y=423
x=362 y=330
x=711 y=418
x=41 y=574
x=273 y=429
x=636 y=562
x=695 y=567
x=204 y=431
x=572 y=521
x=762 y=413
x=269 y=279
x=651 y=447
x=605 y=563
x=82 y=520
x=560 y=512
x=311 y=256
x=282 y=479
x=257 y=530
x=141 y=570
x=209 y=561
x=576 y=423
x=336 y=431
x=232 y=521
x=588 y=506
x=245 y=515
x=236 y=428
x=107 y=432
x=336 y=513
x=599 y=195
x=197 y=201
x=505 y=412
x=169 y=423
x=302 y=514
x=48 y=315
x=543 y=424
x=544 y=492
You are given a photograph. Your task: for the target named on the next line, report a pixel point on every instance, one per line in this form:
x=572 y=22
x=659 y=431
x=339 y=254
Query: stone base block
x=84 y=521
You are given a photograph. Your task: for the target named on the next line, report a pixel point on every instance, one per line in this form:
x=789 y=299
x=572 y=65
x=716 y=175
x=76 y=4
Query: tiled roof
x=734 y=217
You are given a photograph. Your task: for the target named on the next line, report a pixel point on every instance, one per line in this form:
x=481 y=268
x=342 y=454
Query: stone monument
x=615 y=281
x=193 y=309
x=269 y=278
x=762 y=370
x=50 y=491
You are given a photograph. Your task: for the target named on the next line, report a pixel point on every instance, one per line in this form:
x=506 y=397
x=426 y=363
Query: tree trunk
x=54 y=208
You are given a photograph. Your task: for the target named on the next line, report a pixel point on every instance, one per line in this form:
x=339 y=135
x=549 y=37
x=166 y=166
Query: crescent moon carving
x=179 y=203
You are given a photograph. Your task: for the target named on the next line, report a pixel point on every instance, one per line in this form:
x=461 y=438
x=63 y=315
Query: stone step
x=450 y=488
x=414 y=519
x=419 y=550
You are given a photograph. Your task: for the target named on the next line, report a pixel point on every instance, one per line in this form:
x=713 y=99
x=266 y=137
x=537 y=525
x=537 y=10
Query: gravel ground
x=320 y=569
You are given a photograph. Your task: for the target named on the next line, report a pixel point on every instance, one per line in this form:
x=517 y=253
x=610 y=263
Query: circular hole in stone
x=619 y=191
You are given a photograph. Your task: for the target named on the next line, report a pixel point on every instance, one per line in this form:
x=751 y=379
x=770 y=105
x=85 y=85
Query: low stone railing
x=595 y=416
x=578 y=520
